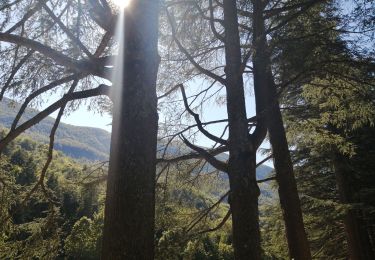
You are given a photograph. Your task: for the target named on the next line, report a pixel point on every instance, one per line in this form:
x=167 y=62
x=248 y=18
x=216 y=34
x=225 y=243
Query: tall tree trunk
x=359 y=244
x=241 y=166
x=130 y=203
x=289 y=200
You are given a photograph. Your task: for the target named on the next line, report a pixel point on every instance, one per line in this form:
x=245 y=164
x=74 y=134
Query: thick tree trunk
x=290 y=203
x=130 y=202
x=244 y=189
x=264 y=84
x=359 y=244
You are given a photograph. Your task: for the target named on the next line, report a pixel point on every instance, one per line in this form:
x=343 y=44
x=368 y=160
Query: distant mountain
x=86 y=143
x=78 y=142
x=263 y=171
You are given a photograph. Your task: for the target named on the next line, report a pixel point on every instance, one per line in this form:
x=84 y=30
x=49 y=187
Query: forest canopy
x=202 y=94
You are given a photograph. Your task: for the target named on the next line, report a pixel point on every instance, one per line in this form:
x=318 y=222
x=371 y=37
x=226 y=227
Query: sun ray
x=121 y=3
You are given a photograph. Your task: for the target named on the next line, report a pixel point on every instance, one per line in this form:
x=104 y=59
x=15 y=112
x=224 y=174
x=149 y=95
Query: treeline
x=312 y=73
x=310 y=67
x=65 y=219
x=70 y=224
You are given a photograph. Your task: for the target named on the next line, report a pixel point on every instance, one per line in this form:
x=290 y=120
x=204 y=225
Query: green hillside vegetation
x=65 y=220
x=78 y=142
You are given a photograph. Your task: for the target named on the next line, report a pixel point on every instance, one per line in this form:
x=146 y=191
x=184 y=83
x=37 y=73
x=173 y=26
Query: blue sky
x=212 y=111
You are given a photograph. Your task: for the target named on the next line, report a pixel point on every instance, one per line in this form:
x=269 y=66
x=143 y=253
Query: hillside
x=78 y=142
x=75 y=141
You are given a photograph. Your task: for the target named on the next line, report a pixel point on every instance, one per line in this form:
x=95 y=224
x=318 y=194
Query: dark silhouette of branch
x=221 y=166
x=29 y=13
x=103 y=43
x=198 y=121
x=267 y=179
x=40 y=182
x=83 y=66
x=275 y=11
x=212 y=23
x=306 y=6
x=170 y=91
x=264 y=160
x=220 y=225
x=14 y=72
x=205 y=212
x=71 y=36
x=6 y=6
x=101 y=90
x=38 y=92
x=102 y=15
x=188 y=55
x=51 y=144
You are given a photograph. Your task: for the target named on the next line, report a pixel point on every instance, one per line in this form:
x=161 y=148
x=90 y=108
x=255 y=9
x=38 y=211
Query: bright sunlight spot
x=121 y=3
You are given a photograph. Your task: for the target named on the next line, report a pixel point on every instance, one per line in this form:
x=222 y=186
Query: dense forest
x=202 y=94
x=65 y=219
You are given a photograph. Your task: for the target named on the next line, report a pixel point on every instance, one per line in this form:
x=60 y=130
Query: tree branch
x=263 y=161
x=61 y=59
x=101 y=90
x=198 y=121
x=220 y=225
x=73 y=38
x=188 y=55
x=30 y=13
x=205 y=212
x=39 y=92
x=221 y=166
x=267 y=179
x=212 y=23
x=14 y=72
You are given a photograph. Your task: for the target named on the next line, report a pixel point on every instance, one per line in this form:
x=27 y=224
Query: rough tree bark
x=130 y=204
x=289 y=200
x=244 y=190
x=359 y=246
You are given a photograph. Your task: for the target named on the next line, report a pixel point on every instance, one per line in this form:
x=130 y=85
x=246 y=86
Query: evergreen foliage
x=320 y=55
x=70 y=225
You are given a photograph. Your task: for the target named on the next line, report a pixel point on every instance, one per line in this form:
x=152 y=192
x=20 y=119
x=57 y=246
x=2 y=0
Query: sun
x=121 y=3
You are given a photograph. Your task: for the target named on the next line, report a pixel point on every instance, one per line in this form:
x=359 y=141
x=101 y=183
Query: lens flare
x=121 y=3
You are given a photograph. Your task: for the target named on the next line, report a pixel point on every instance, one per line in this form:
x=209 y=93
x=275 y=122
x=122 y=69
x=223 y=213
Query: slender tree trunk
x=244 y=189
x=359 y=244
x=289 y=200
x=130 y=203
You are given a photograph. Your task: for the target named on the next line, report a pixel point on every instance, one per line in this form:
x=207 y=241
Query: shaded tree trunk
x=359 y=244
x=295 y=232
x=130 y=203
x=242 y=161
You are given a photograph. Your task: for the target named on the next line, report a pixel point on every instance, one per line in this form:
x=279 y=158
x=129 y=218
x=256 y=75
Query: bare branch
x=39 y=92
x=198 y=121
x=101 y=90
x=206 y=212
x=71 y=36
x=52 y=141
x=14 y=72
x=220 y=225
x=212 y=23
x=267 y=179
x=221 y=166
x=188 y=55
x=6 y=6
x=30 y=13
x=263 y=161
x=170 y=91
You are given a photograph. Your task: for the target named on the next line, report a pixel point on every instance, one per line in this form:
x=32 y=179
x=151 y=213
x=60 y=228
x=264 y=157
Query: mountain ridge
x=78 y=142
